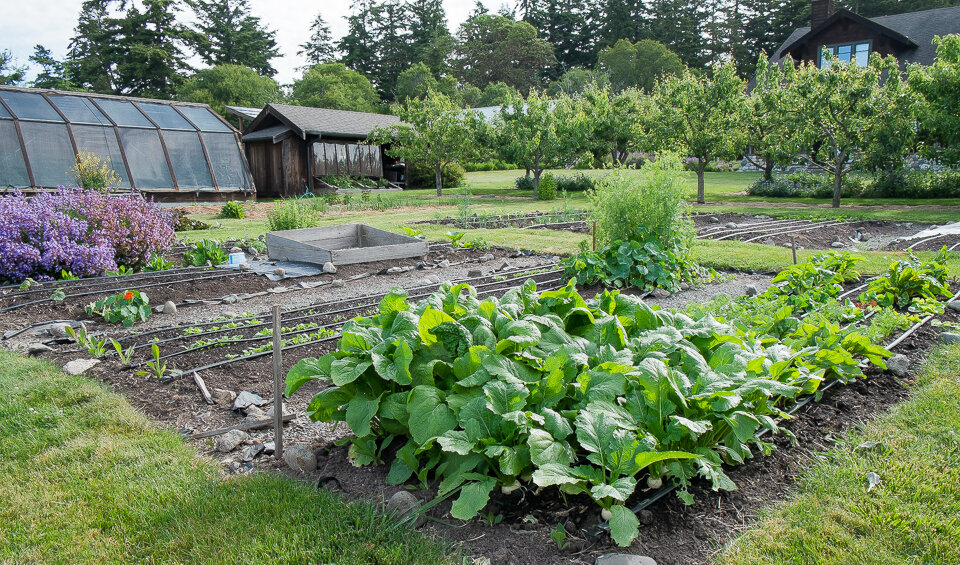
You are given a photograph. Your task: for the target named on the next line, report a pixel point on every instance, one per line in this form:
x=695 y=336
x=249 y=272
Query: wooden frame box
x=345 y=244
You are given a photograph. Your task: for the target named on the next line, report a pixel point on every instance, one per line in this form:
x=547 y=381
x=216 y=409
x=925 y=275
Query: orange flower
x=128 y=295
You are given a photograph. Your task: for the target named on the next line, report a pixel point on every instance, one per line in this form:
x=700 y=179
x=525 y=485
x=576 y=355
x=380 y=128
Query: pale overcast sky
x=51 y=22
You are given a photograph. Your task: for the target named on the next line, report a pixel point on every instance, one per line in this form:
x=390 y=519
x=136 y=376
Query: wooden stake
x=277 y=385
x=793 y=246
x=203 y=388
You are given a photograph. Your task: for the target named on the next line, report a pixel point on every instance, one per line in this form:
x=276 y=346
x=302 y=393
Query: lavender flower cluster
x=86 y=233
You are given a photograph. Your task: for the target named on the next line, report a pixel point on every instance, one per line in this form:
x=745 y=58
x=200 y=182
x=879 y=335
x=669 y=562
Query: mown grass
x=87 y=479
x=913 y=516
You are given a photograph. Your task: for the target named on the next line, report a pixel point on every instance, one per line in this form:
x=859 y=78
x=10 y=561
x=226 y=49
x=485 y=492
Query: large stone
x=270 y=412
x=474 y=273
x=223 y=397
x=251 y=451
x=59 y=330
x=864 y=237
x=899 y=365
x=486 y=257
x=751 y=290
x=252 y=251
x=339 y=283
x=624 y=559
x=38 y=348
x=402 y=504
x=300 y=458
x=714 y=220
x=444 y=264
x=954 y=305
x=329 y=268
x=169 y=307
x=254 y=413
x=225 y=443
x=660 y=293
x=394 y=271
x=236 y=249
x=731 y=225
x=837 y=245
x=280 y=271
x=247 y=398
x=244 y=266
x=80 y=366
x=230 y=299
x=949 y=338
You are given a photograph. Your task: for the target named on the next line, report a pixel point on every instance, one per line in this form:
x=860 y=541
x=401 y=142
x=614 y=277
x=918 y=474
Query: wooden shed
x=290 y=148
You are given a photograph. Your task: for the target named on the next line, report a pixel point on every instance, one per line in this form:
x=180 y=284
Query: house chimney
x=820 y=10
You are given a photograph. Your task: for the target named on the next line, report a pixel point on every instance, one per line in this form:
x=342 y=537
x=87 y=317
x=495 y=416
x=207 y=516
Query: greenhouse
x=169 y=149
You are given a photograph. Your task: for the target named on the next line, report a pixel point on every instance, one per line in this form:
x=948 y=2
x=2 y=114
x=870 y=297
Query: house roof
x=915 y=30
x=243 y=111
x=306 y=121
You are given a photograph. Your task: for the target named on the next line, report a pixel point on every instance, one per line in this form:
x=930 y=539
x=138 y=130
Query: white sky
x=51 y=22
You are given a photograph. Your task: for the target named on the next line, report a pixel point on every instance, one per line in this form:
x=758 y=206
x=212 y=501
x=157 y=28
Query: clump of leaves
x=911 y=284
x=232 y=209
x=643 y=264
x=125 y=356
x=126 y=308
x=157 y=263
x=156 y=367
x=205 y=250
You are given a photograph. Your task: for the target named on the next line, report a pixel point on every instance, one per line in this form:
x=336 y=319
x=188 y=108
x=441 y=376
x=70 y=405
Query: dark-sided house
x=291 y=147
x=851 y=37
x=170 y=150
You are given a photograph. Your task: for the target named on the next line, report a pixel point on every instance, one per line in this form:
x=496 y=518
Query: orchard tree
x=226 y=33
x=700 y=117
x=231 y=85
x=638 y=65
x=767 y=116
x=616 y=121
x=939 y=85
x=333 y=85
x=841 y=108
x=435 y=131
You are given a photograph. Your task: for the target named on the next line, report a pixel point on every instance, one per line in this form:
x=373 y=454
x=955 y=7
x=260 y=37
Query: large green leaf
x=620 y=489
x=473 y=497
x=456 y=441
x=430 y=319
x=505 y=396
x=430 y=413
x=361 y=409
x=307 y=370
x=624 y=525
x=348 y=369
x=546 y=450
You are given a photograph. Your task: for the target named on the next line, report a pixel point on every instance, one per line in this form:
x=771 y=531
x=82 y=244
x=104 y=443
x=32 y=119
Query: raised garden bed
x=345 y=244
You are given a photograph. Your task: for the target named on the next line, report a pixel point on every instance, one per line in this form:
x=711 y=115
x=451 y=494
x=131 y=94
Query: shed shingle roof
x=919 y=27
x=324 y=121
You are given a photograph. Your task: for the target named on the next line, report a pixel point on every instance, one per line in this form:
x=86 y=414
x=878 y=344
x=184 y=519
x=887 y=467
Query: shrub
x=805 y=185
x=548 y=187
x=232 y=209
x=640 y=264
x=637 y=208
x=93 y=173
x=86 y=233
x=420 y=175
x=293 y=214
x=918 y=184
x=524 y=183
x=576 y=183
x=492 y=165
x=181 y=222
x=206 y=250
x=126 y=308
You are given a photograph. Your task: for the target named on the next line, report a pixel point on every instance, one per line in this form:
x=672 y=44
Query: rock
x=769 y=241
x=339 y=283
x=241 y=467
x=230 y=299
x=836 y=245
x=731 y=225
x=954 y=305
x=223 y=397
x=474 y=273
x=646 y=517
x=406 y=268
x=949 y=338
x=252 y=251
x=529 y=252
x=38 y=348
x=624 y=559
x=280 y=272
x=244 y=266
x=59 y=330
x=714 y=220
x=329 y=268
x=402 y=504
x=899 y=365
x=251 y=451
x=486 y=257
x=751 y=290
x=254 y=413
x=247 y=398
x=421 y=265
x=269 y=448
x=445 y=264
x=225 y=443
x=81 y=366
x=864 y=237
x=236 y=249
x=169 y=307
x=300 y=458
x=208 y=264
x=684 y=286
x=286 y=412
x=660 y=293
x=394 y=271
x=506 y=266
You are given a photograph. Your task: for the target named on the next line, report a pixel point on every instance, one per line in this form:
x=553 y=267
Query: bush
x=232 y=209
x=651 y=205
x=180 y=221
x=93 y=173
x=524 y=183
x=492 y=165
x=805 y=185
x=293 y=214
x=547 y=190
x=918 y=184
x=640 y=264
x=576 y=183
x=206 y=250
x=421 y=176
x=86 y=233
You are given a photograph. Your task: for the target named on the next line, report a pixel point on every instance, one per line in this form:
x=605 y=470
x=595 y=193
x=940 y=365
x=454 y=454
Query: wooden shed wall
x=279 y=169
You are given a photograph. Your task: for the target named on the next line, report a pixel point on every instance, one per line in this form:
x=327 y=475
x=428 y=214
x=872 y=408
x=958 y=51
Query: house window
x=859 y=53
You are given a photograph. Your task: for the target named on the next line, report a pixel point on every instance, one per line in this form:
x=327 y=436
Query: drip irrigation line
x=115 y=277
x=851 y=291
x=604 y=527
x=922 y=241
x=715 y=230
x=803 y=230
x=954 y=246
x=118 y=280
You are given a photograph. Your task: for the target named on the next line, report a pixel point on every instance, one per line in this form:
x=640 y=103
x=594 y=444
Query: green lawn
x=913 y=516
x=87 y=479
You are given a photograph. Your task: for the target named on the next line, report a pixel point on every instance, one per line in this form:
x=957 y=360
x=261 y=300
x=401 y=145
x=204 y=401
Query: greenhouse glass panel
x=13 y=170
x=189 y=164
x=79 y=110
x=4 y=113
x=50 y=152
x=166 y=117
x=28 y=106
x=124 y=113
x=204 y=119
x=225 y=158
x=145 y=157
x=102 y=141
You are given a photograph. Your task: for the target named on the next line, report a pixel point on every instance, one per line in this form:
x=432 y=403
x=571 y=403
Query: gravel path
x=733 y=287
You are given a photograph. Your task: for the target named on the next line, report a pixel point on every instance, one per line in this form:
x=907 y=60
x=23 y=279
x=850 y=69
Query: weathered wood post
x=793 y=246
x=277 y=385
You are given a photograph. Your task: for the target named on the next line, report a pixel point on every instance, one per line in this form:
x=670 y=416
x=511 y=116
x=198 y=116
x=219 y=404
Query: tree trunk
x=767 y=169
x=438 y=179
x=837 y=180
x=536 y=182
x=701 y=167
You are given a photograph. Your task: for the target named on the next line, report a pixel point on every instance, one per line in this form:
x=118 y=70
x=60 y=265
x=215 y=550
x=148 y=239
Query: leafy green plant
x=232 y=209
x=125 y=356
x=206 y=250
x=157 y=263
x=414 y=232
x=291 y=215
x=477 y=243
x=58 y=295
x=27 y=283
x=157 y=368
x=67 y=275
x=558 y=535
x=640 y=264
x=97 y=347
x=126 y=308
x=492 y=518
x=548 y=187
x=455 y=238
x=911 y=284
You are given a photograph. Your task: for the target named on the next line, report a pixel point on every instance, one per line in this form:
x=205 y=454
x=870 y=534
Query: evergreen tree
x=565 y=24
x=392 y=45
x=85 y=64
x=319 y=48
x=621 y=19
x=51 y=73
x=357 y=46
x=874 y=8
x=678 y=25
x=494 y=48
x=10 y=74
x=227 y=34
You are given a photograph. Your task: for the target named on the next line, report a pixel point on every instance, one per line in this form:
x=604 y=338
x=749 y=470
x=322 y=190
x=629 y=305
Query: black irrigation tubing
x=294 y=346
x=574 y=223
x=305 y=330
x=714 y=230
x=137 y=287
x=804 y=229
x=118 y=280
x=777 y=230
x=604 y=527
x=117 y=277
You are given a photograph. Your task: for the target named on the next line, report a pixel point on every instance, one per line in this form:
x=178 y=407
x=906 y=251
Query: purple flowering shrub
x=84 y=232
